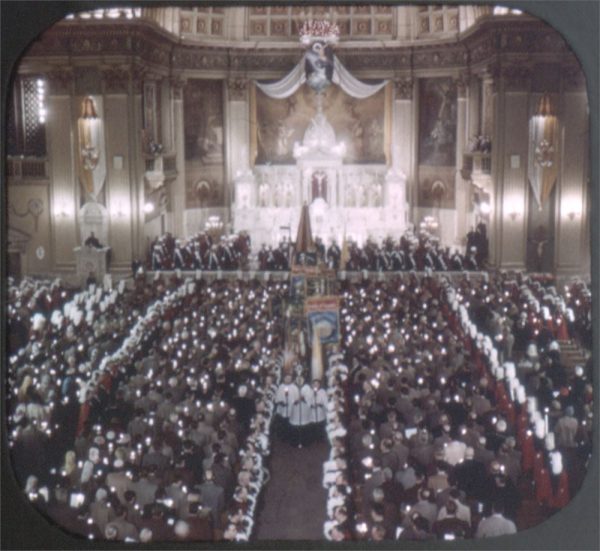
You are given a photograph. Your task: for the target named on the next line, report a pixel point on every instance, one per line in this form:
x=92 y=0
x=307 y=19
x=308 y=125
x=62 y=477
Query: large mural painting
x=437 y=142
x=204 y=152
x=359 y=123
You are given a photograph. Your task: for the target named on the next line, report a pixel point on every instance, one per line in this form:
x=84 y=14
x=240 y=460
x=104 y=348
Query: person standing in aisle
x=285 y=397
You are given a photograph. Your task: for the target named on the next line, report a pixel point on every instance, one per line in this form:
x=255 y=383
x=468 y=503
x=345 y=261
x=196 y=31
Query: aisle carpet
x=293 y=501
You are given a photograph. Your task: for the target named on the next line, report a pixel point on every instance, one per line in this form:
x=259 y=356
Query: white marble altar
x=359 y=201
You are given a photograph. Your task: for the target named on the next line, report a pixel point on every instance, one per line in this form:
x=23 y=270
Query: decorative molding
x=238 y=89
x=516 y=77
x=140 y=43
x=404 y=88
x=462 y=84
x=177 y=85
x=360 y=60
x=35 y=207
x=116 y=78
x=196 y=58
x=60 y=80
x=268 y=60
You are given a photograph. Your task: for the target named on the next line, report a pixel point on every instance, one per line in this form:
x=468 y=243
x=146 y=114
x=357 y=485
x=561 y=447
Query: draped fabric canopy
x=285 y=87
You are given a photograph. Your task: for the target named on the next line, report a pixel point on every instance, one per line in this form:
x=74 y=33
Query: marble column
x=491 y=110
x=237 y=136
x=64 y=183
x=572 y=214
x=512 y=114
x=462 y=187
x=175 y=219
x=121 y=185
x=404 y=138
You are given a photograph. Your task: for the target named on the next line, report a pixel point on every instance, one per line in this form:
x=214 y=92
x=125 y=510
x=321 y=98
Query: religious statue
x=91 y=148
x=319 y=185
x=263 y=194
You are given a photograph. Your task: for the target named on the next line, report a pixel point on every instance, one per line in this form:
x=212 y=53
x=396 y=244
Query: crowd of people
x=200 y=252
x=144 y=413
x=54 y=352
x=427 y=440
x=528 y=319
x=167 y=439
x=579 y=308
x=429 y=455
x=409 y=253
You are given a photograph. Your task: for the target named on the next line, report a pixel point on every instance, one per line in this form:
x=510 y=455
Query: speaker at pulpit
x=91 y=261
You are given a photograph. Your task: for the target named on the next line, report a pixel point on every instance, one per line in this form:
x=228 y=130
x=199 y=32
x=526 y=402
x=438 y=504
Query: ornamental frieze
x=377 y=60
x=516 y=77
x=116 y=78
x=60 y=80
x=106 y=38
x=191 y=58
x=264 y=61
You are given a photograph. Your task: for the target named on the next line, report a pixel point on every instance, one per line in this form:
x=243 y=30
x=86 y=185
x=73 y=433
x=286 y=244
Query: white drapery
x=351 y=85
x=285 y=87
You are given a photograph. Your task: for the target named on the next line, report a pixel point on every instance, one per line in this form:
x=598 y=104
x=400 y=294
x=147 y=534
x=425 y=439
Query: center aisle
x=294 y=501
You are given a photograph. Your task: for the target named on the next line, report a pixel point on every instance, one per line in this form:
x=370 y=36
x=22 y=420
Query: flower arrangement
x=319 y=30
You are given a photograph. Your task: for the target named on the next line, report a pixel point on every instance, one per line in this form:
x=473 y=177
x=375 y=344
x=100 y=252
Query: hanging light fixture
x=543 y=147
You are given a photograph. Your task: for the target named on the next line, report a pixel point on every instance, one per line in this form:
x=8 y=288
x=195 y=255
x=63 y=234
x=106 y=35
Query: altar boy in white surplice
x=318 y=413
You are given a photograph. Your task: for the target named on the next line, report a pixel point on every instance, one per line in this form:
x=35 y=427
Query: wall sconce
x=513 y=209
x=485 y=208
x=571 y=208
x=118 y=211
x=149 y=208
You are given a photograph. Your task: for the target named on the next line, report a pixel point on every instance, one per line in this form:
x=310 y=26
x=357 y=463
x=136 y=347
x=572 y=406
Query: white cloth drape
x=352 y=86
x=285 y=87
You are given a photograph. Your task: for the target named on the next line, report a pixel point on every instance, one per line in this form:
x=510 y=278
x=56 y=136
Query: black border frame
x=575 y=527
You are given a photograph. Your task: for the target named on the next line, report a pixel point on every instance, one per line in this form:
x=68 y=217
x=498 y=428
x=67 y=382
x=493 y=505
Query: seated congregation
x=147 y=412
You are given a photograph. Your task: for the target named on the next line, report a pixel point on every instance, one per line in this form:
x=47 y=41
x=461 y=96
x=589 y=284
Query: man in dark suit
x=451 y=525
x=212 y=497
x=470 y=475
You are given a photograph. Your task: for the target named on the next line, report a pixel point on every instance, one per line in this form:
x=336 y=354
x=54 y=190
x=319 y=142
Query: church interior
x=298 y=273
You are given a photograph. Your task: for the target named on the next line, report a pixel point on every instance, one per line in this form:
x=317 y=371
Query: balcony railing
x=27 y=168
x=476 y=163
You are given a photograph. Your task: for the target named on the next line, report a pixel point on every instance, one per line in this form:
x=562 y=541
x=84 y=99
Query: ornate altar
x=353 y=200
